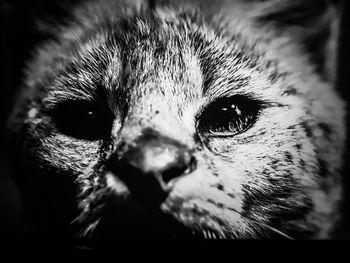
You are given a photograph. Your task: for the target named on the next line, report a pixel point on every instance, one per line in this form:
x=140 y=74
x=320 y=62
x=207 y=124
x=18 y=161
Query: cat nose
x=151 y=164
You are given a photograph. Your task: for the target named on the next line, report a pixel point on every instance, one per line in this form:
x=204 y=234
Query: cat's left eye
x=83 y=120
x=228 y=116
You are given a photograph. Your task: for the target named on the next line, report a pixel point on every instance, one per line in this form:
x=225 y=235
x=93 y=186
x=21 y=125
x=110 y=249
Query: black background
x=19 y=37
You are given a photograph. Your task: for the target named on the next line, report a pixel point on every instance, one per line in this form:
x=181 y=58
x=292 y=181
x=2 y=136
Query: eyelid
x=59 y=95
x=73 y=87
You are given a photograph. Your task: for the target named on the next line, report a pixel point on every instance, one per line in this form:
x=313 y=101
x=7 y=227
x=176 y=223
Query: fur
x=157 y=67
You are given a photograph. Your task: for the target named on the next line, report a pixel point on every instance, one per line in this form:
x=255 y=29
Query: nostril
x=172 y=173
x=144 y=188
x=192 y=165
x=178 y=170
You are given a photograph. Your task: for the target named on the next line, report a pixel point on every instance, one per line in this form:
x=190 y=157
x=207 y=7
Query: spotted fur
x=157 y=67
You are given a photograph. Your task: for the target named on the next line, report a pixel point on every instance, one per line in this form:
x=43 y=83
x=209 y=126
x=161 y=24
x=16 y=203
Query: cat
x=183 y=119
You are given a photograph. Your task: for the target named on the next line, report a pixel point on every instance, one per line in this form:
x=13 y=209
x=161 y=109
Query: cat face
x=165 y=122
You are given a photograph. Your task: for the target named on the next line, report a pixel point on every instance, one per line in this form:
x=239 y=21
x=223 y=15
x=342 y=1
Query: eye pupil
x=228 y=116
x=82 y=120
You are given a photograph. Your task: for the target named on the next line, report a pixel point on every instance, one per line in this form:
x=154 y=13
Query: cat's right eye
x=228 y=116
x=83 y=120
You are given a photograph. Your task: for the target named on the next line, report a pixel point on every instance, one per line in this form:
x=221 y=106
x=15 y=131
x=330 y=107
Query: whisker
x=279 y=232
x=80 y=41
x=210 y=234
x=204 y=233
x=88 y=231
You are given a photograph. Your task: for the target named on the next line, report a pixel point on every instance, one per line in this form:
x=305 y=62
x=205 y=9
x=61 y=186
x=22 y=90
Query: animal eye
x=83 y=120
x=228 y=116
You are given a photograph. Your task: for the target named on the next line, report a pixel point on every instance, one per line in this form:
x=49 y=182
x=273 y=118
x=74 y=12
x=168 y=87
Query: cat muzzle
x=150 y=165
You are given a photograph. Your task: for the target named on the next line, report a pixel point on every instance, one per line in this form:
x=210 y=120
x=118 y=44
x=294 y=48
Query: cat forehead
x=185 y=46
x=181 y=48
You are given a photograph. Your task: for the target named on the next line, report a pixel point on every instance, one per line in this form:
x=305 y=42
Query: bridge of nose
x=160 y=96
x=161 y=117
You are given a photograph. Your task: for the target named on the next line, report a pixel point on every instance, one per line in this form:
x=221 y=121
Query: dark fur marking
x=220 y=187
x=231 y=195
x=289 y=157
x=290 y=90
x=327 y=130
x=273 y=76
x=322 y=167
x=307 y=129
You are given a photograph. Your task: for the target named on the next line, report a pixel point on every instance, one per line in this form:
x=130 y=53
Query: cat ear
x=315 y=24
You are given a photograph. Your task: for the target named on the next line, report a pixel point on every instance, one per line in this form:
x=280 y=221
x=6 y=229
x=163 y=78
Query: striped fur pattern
x=158 y=67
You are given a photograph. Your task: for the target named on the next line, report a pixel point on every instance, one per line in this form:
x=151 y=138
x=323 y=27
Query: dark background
x=19 y=37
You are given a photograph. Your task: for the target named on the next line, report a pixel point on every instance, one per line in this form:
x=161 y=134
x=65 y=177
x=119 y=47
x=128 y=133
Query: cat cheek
x=64 y=155
x=201 y=188
x=202 y=202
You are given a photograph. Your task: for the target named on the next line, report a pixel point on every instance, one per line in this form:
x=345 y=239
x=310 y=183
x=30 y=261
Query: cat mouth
x=131 y=220
x=144 y=224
